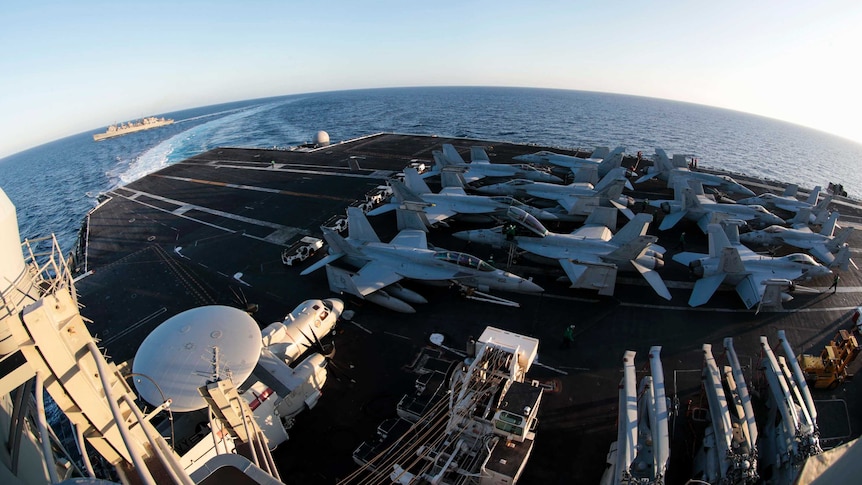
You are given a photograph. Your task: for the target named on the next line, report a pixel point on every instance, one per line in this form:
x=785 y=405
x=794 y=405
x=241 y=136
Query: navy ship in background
x=121 y=129
x=212 y=230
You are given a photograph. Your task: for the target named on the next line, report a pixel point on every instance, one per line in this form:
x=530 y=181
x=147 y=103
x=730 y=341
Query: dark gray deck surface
x=176 y=239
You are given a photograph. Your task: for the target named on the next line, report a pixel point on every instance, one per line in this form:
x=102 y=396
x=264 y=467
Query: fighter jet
x=481 y=166
x=787 y=201
x=749 y=272
x=383 y=265
x=451 y=201
x=677 y=171
x=691 y=203
x=591 y=255
x=575 y=198
x=823 y=245
x=601 y=161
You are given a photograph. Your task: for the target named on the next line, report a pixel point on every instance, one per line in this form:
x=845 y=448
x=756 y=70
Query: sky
x=69 y=67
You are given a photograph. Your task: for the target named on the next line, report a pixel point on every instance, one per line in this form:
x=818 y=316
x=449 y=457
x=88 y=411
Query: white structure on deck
x=491 y=418
x=790 y=435
x=642 y=450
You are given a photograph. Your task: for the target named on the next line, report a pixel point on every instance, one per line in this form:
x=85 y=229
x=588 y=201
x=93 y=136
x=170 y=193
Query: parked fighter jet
x=691 y=203
x=749 y=272
x=822 y=245
x=677 y=171
x=575 y=198
x=787 y=202
x=601 y=160
x=451 y=201
x=383 y=265
x=591 y=255
x=481 y=166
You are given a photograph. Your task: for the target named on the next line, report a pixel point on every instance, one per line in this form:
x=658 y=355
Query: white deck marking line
x=312 y=172
x=737 y=310
x=214 y=226
x=254 y=188
x=184 y=207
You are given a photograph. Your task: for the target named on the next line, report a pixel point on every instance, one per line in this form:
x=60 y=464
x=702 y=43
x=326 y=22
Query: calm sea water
x=54 y=185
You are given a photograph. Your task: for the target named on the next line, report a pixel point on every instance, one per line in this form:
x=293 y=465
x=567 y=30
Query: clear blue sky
x=68 y=67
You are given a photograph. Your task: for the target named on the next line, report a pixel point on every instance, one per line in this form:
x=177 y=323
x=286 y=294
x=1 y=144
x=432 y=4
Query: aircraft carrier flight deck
x=212 y=229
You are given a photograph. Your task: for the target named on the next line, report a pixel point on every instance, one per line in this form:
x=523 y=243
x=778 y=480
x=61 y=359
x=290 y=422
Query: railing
x=47 y=266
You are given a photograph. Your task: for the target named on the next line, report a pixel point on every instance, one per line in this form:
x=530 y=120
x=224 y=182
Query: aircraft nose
x=337 y=305
x=528 y=286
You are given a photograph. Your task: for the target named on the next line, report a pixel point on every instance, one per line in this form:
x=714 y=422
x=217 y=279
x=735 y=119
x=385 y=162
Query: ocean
x=54 y=185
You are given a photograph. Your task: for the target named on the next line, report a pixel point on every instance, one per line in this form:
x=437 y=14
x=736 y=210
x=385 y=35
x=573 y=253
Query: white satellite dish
x=180 y=354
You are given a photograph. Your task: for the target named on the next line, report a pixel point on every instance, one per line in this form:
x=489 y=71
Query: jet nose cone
x=527 y=286
x=748 y=201
x=747 y=191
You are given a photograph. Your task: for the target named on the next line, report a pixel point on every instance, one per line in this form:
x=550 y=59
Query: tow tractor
x=829 y=369
x=301 y=250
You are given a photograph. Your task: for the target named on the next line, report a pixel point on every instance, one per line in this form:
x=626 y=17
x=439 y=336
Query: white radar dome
x=193 y=348
x=321 y=138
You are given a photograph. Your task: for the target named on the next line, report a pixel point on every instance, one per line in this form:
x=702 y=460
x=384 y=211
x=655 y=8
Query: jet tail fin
x=634 y=229
x=612 y=191
x=451 y=179
x=585 y=175
x=679 y=161
x=358 y=227
x=478 y=155
x=802 y=217
x=820 y=211
x=842 y=259
x=840 y=239
x=601 y=152
x=604 y=216
x=612 y=161
x=411 y=219
x=612 y=176
x=452 y=156
x=414 y=182
x=730 y=261
x=790 y=190
x=704 y=288
x=718 y=240
x=812 y=197
x=828 y=228
x=653 y=279
x=662 y=162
